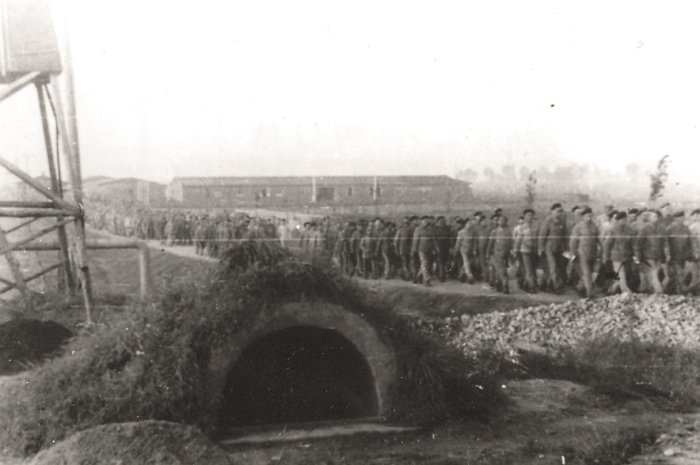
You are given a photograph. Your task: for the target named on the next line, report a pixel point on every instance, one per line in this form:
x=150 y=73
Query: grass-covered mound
x=150 y=363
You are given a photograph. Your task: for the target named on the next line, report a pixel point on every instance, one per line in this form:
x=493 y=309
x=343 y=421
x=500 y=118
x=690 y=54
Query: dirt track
x=547 y=419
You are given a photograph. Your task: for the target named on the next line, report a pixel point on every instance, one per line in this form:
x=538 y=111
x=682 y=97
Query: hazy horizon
x=167 y=89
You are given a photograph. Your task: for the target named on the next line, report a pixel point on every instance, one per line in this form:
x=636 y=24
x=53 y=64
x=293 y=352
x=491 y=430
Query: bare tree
x=658 y=180
x=530 y=191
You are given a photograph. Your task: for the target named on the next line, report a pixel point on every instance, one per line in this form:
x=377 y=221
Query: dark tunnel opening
x=295 y=375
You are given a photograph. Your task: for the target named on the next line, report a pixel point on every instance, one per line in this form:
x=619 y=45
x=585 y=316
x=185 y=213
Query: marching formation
x=615 y=251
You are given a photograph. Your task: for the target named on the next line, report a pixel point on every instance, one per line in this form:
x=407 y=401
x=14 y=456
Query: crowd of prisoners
x=594 y=253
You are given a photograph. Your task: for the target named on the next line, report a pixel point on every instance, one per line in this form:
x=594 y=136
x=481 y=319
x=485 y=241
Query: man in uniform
x=695 y=242
x=386 y=249
x=552 y=244
x=402 y=245
x=649 y=250
x=585 y=239
x=347 y=257
x=355 y=241
x=618 y=247
x=423 y=244
x=604 y=217
x=465 y=247
x=525 y=244
x=483 y=230
x=368 y=249
x=500 y=244
x=679 y=252
x=443 y=237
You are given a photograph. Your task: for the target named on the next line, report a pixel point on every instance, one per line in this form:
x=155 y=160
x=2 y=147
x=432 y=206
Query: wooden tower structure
x=30 y=56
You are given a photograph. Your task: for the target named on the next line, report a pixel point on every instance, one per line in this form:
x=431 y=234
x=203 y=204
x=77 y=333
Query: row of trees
x=564 y=174
x=657 y=185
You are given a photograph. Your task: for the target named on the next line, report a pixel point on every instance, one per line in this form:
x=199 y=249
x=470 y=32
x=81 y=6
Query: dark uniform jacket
x=403 y=238
x=525 y=239
x=680 y=245
x=553 y=235
x=443 y=238
x=651 y=242
x=619 y=245
x=500 y=243
x=584 y=240
x=466 y=239
x=423 y=240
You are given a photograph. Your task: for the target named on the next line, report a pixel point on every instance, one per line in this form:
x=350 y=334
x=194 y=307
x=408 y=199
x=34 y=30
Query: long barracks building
x=261 y=192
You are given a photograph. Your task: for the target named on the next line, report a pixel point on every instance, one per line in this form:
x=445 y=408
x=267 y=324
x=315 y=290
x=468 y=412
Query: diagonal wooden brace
x=34 y=184
x=8 y=247
x=18 y=84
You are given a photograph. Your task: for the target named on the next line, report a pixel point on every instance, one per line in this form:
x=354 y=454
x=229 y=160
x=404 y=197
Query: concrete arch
x=379 y=356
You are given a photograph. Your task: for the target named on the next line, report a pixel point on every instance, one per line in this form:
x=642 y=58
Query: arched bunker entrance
x=301 y=362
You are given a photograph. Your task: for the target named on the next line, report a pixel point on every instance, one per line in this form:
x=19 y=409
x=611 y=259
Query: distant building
x=146 y=192
x=228 y=192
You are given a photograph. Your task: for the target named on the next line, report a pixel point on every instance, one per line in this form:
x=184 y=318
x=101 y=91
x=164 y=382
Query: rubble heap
x=658 y=319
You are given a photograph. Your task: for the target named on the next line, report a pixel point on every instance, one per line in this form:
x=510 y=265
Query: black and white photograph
x=349 y=233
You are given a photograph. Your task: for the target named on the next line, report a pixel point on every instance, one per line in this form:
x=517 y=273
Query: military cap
x=695 y=212
x=621 y=215
x=633 y=211
x=498 y=212
x=586 y=211
x=461 y=222
x=679 y=214
x=664 y=205
x=555 y=206
x=528 y=210
x=478 y=213
x=425 y=217
x=440 y=218
x=413 y=217
x=576 y=207
x=612 y=214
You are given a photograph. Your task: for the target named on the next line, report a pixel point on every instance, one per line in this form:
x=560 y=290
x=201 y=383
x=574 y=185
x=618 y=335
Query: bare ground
x=547 y=421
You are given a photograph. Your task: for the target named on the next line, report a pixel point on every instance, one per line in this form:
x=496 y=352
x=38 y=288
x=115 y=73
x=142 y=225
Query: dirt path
x=547 y=421
x=680 y=445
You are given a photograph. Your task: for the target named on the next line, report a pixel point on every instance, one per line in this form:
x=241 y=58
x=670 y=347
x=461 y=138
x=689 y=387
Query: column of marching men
x=616 y=251
x=211 y=235
x=613 y=251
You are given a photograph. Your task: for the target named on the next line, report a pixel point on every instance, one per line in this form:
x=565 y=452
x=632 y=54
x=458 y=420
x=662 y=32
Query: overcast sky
x=311 y=88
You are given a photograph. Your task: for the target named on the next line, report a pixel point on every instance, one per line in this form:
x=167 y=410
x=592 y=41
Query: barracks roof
x=320 y=180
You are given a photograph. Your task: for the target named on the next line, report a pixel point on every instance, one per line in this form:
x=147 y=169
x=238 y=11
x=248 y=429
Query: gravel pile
x=665 y=320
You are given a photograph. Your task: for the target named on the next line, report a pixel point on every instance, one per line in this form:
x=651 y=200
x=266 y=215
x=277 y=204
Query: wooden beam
x=24 y=204
x=34 y=184
x=16 y=270
x=38 y=212
x=8 y=247
x=68 y=283
x=21 y=225
x=18 y=84
x=39 y=274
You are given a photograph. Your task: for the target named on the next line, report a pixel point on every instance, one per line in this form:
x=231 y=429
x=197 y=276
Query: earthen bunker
x=300 y=362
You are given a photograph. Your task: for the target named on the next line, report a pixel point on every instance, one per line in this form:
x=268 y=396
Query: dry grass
x=148 y=363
